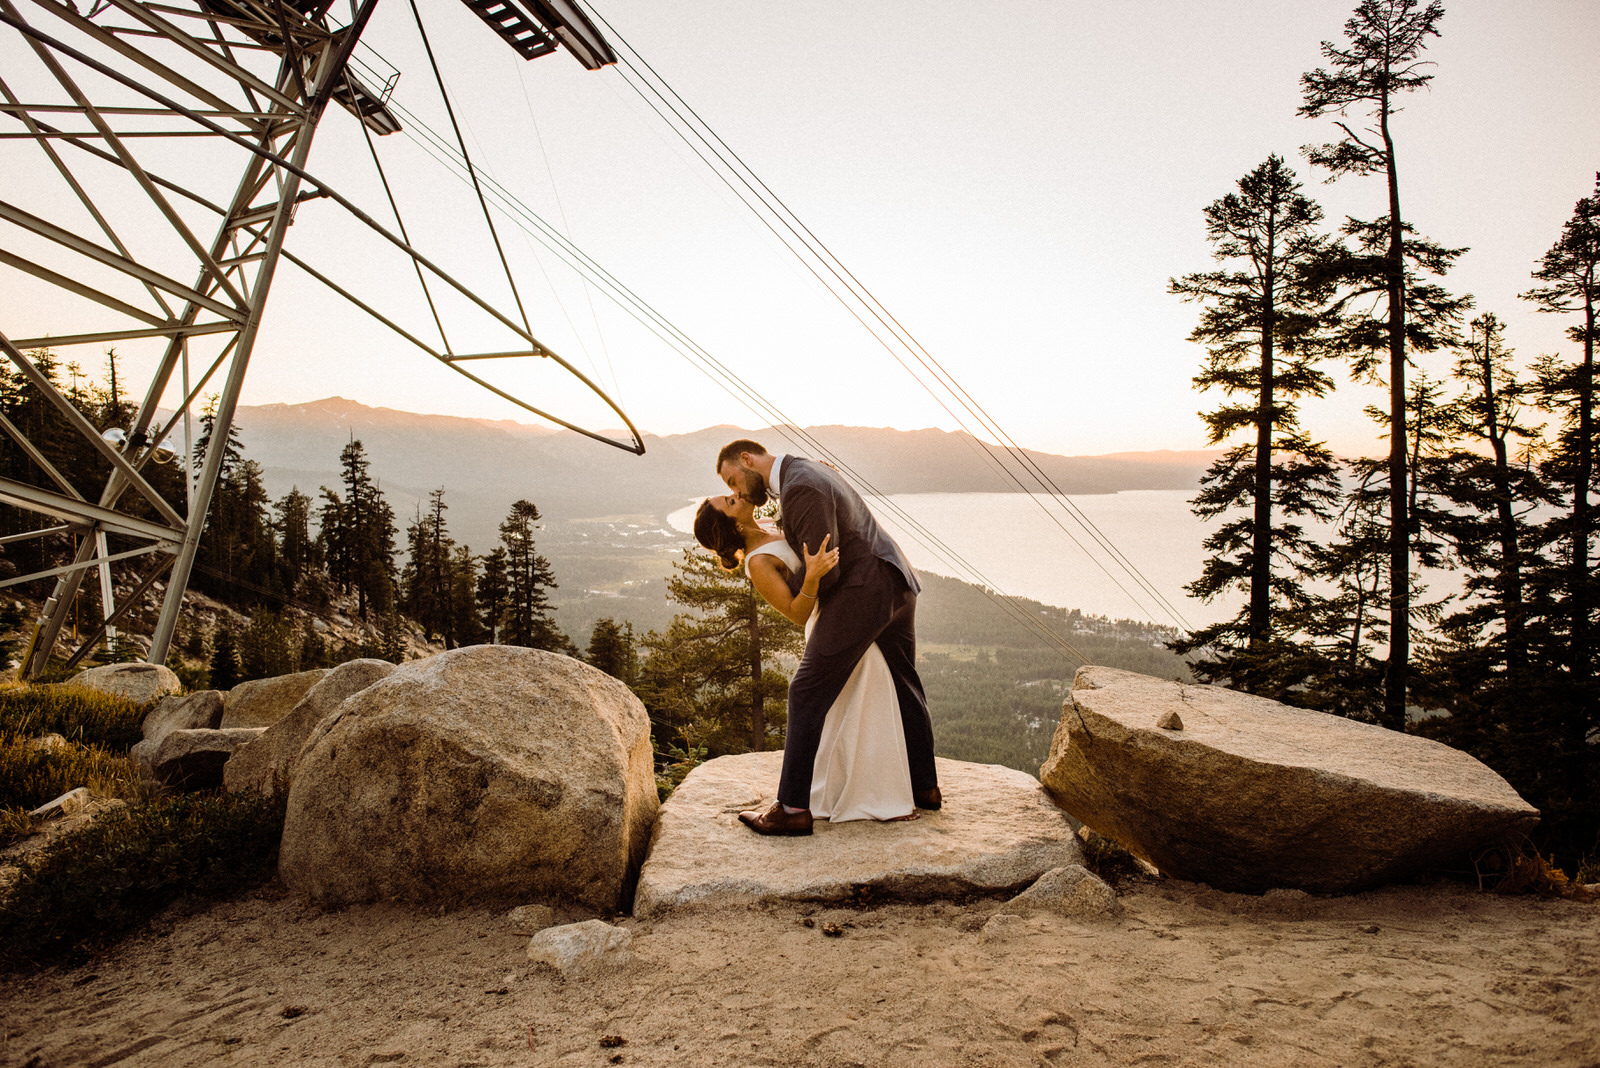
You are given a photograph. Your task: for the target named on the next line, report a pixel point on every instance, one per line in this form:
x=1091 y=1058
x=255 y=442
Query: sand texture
x=1434 y=975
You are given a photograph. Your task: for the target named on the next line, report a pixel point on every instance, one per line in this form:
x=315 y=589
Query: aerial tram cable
x=875 y=309
x=554 y=240
x=484 y=185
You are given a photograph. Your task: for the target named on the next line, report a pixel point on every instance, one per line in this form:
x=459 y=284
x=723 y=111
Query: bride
x=861 y=771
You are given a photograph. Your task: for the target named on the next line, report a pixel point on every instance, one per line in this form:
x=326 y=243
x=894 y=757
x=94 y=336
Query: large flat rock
x=998 y=832
x=1250 y=794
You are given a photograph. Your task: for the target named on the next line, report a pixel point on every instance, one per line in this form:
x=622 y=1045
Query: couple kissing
x=860 y=741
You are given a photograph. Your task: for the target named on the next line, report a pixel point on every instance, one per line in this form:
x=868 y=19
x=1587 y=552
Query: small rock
x=581 y=947
x=1288 y=903
x=1071 y=891
x=1284 y=893
x=1170 y=722
x=269 y=762
x=68 y=804
x=1001 y=927
x=531 y=919
x=46 y=743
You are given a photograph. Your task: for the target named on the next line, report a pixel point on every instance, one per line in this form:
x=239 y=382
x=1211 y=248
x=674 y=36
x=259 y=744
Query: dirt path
x=1435 y=975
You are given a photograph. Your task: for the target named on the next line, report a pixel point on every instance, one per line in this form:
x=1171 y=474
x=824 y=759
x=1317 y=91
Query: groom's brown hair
x=730 y=452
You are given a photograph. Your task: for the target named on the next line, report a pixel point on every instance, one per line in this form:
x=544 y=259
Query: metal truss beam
x=139 y=81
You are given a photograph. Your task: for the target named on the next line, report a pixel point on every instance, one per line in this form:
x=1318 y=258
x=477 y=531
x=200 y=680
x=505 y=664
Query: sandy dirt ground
x=1416 y=975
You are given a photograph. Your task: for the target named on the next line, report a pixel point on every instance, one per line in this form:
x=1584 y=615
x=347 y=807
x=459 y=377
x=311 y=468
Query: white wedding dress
x=861 y=771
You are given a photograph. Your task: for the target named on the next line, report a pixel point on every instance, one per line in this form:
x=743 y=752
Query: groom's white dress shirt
x=772 y=481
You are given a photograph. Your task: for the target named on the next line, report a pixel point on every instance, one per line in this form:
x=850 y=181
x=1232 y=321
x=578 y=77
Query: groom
x=871 y=596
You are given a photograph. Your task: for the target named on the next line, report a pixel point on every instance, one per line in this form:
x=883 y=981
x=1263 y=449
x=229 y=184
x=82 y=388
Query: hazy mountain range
x=484 y=465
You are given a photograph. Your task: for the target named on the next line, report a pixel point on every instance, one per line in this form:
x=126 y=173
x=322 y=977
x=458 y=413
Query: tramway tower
x=153 y=157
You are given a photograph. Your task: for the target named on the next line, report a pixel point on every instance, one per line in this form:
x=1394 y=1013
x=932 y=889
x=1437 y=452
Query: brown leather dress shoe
x=776 y=821
x=928 y=799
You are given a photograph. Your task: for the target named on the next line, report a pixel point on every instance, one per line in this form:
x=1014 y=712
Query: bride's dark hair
x=719 y=533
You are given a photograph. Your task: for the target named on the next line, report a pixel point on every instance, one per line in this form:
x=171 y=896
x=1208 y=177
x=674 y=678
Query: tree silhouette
x=1369 y=73
x=1261 y=327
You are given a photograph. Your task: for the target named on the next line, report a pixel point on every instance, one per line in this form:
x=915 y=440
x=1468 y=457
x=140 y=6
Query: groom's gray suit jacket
x=818 y=502
x=870 y=597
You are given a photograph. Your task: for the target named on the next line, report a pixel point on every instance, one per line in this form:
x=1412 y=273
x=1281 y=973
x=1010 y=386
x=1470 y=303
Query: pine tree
x=1261 y=327
x=708 y=678
x=1379 y=63
x=493 y=593
x=358 y=535
x=1431 y=317
x=268 y=647
x=390 y=641
x=27 y=408
x=1571 y=273
x=529 y=580
x=462 y=623
x=1492 y=494
x=237 y=558
x=1479 y=668
x=224 y=662
x=427 y=580
x=614 y=650
x=297 y=549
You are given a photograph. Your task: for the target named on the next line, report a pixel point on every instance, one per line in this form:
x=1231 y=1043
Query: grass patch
x=83 y=716
x=32 y=774
x=91 y=888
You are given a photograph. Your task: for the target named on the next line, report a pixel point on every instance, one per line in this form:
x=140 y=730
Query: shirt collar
x=772 y=479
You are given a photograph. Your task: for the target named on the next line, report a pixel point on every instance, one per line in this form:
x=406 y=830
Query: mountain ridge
x=484 y=465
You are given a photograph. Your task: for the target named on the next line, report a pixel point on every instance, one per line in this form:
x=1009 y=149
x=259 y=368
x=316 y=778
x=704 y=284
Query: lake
x=1035 y=547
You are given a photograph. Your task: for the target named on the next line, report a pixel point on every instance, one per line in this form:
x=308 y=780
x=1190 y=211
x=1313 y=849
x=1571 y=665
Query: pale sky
x=1015 y=181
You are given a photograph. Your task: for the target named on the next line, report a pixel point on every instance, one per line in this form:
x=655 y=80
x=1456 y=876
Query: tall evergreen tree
x=463 y=625
x=1493 y=487
x=493 y=593
x=709 y=677
x=1478 y=668
x=1380 y=62
x=297 y=549
x=613 y=648
x=1260 y=324
x=358 y=535
x=427 y=580
x=529 y=579
x=1563 y=591
x=237 y=557
x=1570 y=271
x=224 y=662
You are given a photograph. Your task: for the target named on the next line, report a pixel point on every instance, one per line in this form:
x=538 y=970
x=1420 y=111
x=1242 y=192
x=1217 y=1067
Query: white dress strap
x=779 y=549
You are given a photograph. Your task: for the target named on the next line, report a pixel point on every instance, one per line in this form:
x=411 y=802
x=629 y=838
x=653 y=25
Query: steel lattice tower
x=140 y=115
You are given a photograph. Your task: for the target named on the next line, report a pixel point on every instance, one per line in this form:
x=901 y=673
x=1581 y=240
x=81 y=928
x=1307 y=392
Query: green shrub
x=674 y=766
x=81 y=716
x=90 y=888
